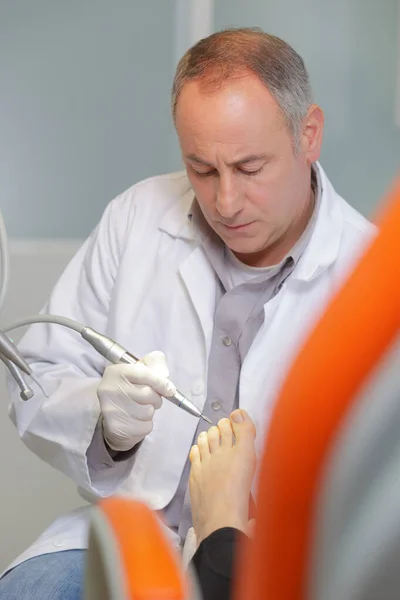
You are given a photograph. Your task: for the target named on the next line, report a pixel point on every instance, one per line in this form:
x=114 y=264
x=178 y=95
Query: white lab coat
x=143 y=279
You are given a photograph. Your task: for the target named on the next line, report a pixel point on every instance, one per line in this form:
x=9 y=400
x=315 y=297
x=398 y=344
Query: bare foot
x=223 y=466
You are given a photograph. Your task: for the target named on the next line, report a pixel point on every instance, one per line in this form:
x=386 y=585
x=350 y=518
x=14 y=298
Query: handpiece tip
x=207 y=419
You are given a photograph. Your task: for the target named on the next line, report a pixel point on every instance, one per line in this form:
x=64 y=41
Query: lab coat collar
x=176 y=221
x=322 y=249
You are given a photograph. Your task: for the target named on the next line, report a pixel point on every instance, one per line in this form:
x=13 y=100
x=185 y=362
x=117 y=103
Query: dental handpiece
x=116 y=353
x=107 y=347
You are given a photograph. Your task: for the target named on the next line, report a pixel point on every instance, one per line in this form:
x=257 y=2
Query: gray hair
x=233 y=52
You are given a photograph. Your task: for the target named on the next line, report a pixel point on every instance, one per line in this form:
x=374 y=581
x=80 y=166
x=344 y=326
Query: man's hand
x=129 y=395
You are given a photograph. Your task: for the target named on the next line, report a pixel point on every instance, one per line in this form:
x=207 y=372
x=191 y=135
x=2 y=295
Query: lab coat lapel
x=200 y=281
x=198 y=275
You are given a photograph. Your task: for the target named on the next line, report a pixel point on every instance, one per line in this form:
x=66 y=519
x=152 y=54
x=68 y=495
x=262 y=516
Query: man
x=222 y=269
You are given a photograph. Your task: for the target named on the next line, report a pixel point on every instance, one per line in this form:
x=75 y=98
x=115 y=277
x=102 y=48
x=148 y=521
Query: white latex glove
x=129 y=395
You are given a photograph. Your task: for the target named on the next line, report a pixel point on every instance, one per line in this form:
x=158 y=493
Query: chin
x=243 y=246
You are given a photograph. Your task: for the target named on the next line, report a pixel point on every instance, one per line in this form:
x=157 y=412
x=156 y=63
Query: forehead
x=239 y=109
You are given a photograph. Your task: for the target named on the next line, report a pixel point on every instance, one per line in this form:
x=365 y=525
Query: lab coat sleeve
x=60 y=429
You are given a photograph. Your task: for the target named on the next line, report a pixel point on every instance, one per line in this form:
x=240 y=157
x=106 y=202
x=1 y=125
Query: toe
x=194 y=456
x=202 y=443
x=213 y=439
x=226 y=432
x=243 y=427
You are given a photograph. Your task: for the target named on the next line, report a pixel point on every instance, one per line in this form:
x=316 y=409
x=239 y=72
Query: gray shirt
x=238 y=317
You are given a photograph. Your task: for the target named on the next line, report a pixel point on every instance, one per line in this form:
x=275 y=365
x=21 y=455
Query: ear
x=311 y=138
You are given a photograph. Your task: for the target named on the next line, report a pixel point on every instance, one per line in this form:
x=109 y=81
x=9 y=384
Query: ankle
x=212 y=525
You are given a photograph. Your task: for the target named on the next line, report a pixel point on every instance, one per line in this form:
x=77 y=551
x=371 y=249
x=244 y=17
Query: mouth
x=237 y=227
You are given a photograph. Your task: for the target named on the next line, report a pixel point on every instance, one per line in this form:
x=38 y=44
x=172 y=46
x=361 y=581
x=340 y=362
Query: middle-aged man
x=221 y=270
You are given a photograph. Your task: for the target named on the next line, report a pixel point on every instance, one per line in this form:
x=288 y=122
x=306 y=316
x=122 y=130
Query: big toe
x=243 y=427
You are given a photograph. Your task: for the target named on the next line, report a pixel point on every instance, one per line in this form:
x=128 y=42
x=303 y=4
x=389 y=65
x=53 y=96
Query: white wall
x=32 y=493
x=84 y=108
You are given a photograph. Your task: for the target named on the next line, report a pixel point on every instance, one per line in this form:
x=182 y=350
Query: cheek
x=261 y=194
x=204 y=192
x=268 y=198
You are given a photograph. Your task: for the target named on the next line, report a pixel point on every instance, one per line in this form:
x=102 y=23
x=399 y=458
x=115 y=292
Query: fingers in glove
x=156 y=361
x=125 y=404
x=140 y=374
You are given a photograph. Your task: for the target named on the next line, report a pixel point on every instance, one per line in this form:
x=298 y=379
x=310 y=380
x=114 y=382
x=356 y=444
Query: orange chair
x=129 y=558
x=126 y=535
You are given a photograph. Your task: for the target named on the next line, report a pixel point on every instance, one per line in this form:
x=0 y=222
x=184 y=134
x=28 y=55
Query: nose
x=229 y=202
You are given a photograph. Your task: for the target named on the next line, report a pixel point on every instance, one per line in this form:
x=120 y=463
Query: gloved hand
x=129 y=395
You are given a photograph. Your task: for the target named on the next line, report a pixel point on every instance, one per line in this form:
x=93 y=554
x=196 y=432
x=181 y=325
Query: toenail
x=237 y=417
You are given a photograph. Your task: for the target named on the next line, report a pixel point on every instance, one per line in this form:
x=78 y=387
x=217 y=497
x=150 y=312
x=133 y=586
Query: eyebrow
x=236 y=163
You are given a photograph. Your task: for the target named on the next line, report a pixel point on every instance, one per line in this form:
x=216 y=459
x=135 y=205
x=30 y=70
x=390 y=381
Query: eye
x=250 y=173
x=205 y=174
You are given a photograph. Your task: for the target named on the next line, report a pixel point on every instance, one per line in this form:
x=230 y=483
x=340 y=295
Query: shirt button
x=59 y=544
x=227 y=341
x=216 y=405
x=198 y=388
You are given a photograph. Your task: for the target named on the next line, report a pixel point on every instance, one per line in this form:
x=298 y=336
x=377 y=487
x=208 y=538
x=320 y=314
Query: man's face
x=252 y=188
